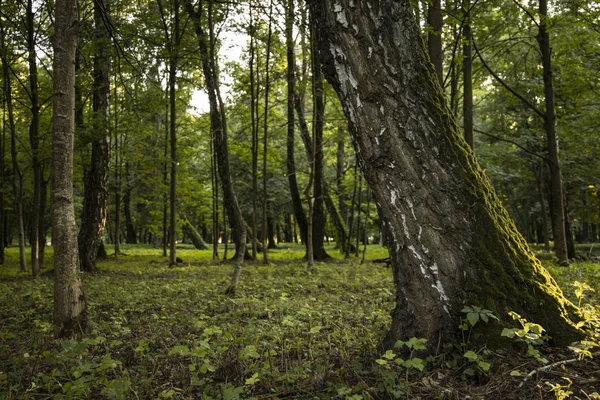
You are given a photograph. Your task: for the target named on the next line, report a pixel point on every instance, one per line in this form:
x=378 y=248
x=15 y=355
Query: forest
x=300 y=199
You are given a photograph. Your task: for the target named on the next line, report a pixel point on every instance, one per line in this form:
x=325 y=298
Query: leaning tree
x=453 y=242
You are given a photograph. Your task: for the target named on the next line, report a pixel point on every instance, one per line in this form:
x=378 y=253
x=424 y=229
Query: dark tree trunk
x=130 y=237
x=434 y=37
x=341 y=237
x=219 y=127
x=467 y=76
x=17 y=175
x=265 y=222
x=452 y=242
x=319 y=220
x=34 y=140
x=42 y=229
x=95 y=200
x=340 y=170
x=558 y=209
x=69 y=299
x=291 y=94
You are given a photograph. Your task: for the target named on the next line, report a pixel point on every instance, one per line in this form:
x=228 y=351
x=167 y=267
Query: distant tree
x=95 y=199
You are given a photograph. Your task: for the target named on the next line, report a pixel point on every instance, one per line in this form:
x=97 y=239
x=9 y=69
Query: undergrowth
x=160 y=332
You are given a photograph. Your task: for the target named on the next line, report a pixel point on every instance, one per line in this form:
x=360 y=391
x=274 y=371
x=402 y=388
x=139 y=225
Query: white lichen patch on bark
x=340 y=14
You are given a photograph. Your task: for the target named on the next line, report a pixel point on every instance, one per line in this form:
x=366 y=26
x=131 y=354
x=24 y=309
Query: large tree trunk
x=69 y=299
x=95 y=199
x=453 y=244
x=558 y=208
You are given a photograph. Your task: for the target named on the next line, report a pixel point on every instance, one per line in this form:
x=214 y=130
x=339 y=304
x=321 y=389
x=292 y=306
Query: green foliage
x=529 y=333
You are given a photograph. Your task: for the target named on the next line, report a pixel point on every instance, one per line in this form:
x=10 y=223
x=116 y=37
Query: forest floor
x=159 y=332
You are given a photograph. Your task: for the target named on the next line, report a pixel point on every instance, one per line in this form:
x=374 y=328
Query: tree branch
x=505 y=85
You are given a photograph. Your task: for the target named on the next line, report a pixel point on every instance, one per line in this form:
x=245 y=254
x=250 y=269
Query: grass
x=159 y=332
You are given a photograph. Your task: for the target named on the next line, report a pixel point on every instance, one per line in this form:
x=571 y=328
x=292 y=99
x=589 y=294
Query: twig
x=550 y=366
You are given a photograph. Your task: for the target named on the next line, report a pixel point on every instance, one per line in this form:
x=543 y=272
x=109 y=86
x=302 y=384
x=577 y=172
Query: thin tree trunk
x=265 y=222
x=291 y=95
x=42 y=228
x=467 y=76
x=69 y=299
x=453 y=242
x=359 y=194
x=219 y=127
x=95 y=201
x=34 y=139
x=558 y=209
x=130 y=237
x=540 y=186
x=319 y=220
x=366 y=236
x=338 y=223
x=254 y=122
x=173 y=61
x=434 y=37
x=351 y=216
x=2 y=178
x=339 y=173
x=17 y=178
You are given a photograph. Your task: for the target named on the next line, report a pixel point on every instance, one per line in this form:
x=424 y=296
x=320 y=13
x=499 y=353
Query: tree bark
x=558 y=208
x=194 y=235
x=291 y=96
x=467 y=76
x=34 y=139
x=17 y=175
x=453 y=244
x=219 y=127
x=318 y=212
x=69 y=299
x=130 y=237
x=340 y=228
x=95 y=200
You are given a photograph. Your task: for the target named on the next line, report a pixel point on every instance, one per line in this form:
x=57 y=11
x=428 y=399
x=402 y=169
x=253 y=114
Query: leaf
x=485 y=366
x=315 y=329
x=389 y=355
x=471 y=355
x=416 y=344
x=516 y=372
x=179 y=351
x=418 y=363
x=473 y=318
x=253 y=379
x=484 y=317
x=508 y=332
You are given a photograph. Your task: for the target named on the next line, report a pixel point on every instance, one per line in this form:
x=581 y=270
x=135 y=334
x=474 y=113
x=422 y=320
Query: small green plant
x=561 y=392
x=392 y=364
x=473 y=315
x=590 y=322
x=530 y=334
